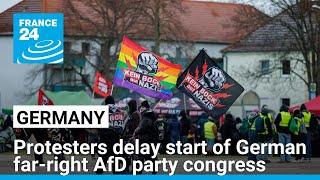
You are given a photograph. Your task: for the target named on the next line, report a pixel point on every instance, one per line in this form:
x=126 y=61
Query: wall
x=270 y=88
x=13 y=77
x=189 y=50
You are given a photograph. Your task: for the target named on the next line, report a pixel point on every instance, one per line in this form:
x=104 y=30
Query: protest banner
x=102 y=86
x=208 y=85
x=142 y=71
x=43 y=98
x=117 y=119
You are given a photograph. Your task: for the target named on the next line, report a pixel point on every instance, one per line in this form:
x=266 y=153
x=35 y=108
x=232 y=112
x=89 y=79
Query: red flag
x=101 y=85
x=43 y=98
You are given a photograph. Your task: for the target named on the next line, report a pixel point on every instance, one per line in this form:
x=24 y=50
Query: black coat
x=146 y=131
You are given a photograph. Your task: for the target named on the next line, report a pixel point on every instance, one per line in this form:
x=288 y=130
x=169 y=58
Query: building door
x=250 y=102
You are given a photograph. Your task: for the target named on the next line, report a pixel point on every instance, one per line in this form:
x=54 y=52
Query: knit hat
x=145 y=104
x=109 y=100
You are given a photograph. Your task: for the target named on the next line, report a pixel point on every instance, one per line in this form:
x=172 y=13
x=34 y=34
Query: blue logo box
x=38 y=38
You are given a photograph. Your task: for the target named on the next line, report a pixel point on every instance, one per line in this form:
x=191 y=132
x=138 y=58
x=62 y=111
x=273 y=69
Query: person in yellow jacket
x=265 y=135
x=270 y=116
x=299 y=135
x=307 y=118
x=252 y=133
x=210 y=133
x=282 y=124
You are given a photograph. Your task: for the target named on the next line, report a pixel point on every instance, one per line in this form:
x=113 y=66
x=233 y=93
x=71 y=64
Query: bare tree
x=104 y=22
x=248 y=19
x=295 y=36
x=163 y=16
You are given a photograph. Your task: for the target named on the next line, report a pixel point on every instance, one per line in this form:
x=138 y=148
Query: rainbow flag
x=142 y=71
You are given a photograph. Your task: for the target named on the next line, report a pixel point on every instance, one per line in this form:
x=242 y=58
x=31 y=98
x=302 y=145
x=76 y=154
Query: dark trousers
x=40 y=139
x=252 y=139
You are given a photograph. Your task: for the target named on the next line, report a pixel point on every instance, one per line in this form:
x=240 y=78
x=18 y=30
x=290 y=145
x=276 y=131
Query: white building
x=270 y=74
x=209 y=26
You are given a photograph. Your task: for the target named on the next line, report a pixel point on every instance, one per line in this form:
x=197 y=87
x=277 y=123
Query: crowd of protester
x=299 y=126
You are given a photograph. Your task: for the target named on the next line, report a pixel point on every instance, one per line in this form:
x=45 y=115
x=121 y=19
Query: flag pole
x=157 y=104
x=92 y=97
x=111 y=90
x=184 y=103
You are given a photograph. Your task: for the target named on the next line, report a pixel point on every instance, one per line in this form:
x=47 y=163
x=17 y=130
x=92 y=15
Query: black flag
x=209 y=86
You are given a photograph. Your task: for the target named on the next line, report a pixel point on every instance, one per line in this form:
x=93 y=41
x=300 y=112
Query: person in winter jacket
x=185 y=126
x=93 y=137
x=311 y=124
x=174 y=129
x=200 y=127
x=58 y=135
x=282 y=123
x=7 y=135
x=146 y=131
x=300 y=135
x=265 y=136
x=210 y=133
x=131 y=125
x=229 y=131
x=108 y=135
x=132 y=120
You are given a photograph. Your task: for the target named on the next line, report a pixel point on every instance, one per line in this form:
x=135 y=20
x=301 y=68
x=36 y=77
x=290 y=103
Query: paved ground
x=7 y=166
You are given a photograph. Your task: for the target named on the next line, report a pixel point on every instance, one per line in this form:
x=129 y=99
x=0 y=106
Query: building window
x=286 y=67
x=285 y=101
x=178 y=53
x=153 y=48
x=67 y=47
x=63 y=76
x=85 y=48
x=264 y=66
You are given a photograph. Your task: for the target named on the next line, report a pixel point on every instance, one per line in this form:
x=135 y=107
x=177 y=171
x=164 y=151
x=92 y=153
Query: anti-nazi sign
x=208 y=85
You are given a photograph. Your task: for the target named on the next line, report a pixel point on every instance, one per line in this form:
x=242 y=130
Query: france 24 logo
x=38 y=38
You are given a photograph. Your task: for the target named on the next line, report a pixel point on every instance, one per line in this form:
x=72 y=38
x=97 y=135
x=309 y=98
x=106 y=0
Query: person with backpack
x=282 y=123
x=270 y=116
x=308 y=120
x=210 y=133
x=264 y=132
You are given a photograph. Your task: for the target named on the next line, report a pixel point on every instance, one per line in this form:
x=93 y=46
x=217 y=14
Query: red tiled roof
x=211 y=21
x=204 y=21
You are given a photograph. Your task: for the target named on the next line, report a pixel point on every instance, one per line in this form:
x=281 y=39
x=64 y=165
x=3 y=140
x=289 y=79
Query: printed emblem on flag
x=142 y=71
x=101 y=85
x=208 y=85
x=43 y=99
